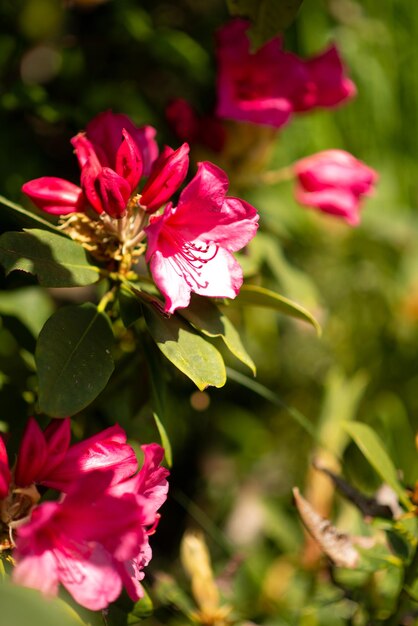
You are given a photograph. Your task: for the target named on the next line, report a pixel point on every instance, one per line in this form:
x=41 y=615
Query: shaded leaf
x=28 y=215
x=372 y=448
x=29 y=305
x=206 y=317
x=252 y=295
x=336 y=545
x=56 y=260
x=188 y=351
x=73 y=357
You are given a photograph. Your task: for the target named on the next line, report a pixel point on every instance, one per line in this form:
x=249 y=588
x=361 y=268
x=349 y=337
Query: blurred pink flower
x=267 y=86
x=334 y=182
x=187 y=125
x=190 y=245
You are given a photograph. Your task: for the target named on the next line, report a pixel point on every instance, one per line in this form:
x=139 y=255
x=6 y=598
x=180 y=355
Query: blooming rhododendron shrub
x=110 y=212
x=94 y=538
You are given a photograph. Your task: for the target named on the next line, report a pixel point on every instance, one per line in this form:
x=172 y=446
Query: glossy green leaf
x=123 y=612
x=73 y=357
x=165 y=442
x=56 y=260
x=31 y=306
x=269 y=17
x=21 y=606
x=372 y=448
x=206 y=317
x=142 y=609
x=252 y=295
x=188 y=351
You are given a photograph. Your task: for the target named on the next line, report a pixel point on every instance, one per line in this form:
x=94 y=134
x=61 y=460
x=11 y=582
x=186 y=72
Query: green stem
x=277 y=176
x=107 y=298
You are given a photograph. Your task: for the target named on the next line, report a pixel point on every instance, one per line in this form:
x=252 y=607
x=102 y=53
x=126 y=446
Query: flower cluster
x=189 y=246
x=94 y=538
x=268 y=86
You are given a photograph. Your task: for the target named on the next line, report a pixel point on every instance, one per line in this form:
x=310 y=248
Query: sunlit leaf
x=252 y=295
x=31 y=305
x=56 y=260
x=21 y=606
x=188 y=351
x=211 y=321
x=73 y=357
x=372 y=448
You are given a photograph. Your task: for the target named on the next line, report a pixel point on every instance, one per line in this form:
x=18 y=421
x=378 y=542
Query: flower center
x=190 y=258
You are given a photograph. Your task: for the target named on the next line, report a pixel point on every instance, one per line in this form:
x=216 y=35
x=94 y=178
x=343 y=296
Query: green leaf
x=164 y=440
x=206 y=317
x=252 y=295
x=21 y=606
x=142 y=609
x=28 y=215
x=188 y=351
x=30 y=305
x=372 y=448
x=73 y=357
x=55 y=260
x=269 y=17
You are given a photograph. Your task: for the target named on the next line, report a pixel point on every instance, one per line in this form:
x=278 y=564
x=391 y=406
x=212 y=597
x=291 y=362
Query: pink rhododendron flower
x=167 y=174
x=267 y=86
x=94 y=539
x=334 y=182
x=77 y=542
x=190 y=245
x=206 y=130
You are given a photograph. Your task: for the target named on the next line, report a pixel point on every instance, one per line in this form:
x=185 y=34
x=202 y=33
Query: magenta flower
x=113 y=154
x=80 y=541
x=334 y=182
x=267 y=86
x=94 y=539
x=326 y=86
x=190 y=245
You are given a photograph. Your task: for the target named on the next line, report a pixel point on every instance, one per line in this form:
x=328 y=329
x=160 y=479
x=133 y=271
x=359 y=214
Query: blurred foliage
x=236 y=454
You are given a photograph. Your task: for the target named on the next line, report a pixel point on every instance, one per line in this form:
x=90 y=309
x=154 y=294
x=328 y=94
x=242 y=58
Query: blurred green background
x=237 y=455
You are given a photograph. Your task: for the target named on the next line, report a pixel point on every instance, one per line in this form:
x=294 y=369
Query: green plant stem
x=107 y=298
x=409 y=576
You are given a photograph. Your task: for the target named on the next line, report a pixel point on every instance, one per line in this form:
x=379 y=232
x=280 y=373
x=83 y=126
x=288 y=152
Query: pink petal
x=114 y=192
x=89 y=174
x=152 y=482
x=55 y=195
x=167 y=174
x=85 y=151
x=107 y=450
x=129 y=161
x=31 y=456
x=4 y=470
x=327 y=73
x=57 y=436
x=339 y=202
x=38 y=571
